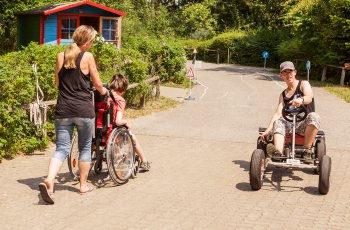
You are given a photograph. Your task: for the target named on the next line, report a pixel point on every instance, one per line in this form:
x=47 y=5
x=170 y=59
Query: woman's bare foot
x=49 y=185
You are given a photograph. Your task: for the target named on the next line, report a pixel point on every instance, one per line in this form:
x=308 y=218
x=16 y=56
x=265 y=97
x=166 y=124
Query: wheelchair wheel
x=73 y=158
x=257 y=169
x=98 y=162
x=136 y=167
x=324 y=174
x=120 y=155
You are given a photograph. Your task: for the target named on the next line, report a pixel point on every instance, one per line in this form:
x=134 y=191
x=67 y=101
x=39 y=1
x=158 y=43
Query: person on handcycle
x=297 y=93
x=118 y=85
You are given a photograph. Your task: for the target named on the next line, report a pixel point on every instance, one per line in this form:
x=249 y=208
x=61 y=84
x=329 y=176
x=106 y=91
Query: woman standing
x=75 y=68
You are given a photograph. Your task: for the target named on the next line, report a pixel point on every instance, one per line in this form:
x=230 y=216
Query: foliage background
x=301 y=25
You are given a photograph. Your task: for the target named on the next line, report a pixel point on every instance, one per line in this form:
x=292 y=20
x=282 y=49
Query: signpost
x=196 y=63
x=265 y=55
x=194 y=56
x=308 y=66
x=190 y=75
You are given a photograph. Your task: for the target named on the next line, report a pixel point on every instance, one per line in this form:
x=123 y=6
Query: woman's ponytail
x=70 y=55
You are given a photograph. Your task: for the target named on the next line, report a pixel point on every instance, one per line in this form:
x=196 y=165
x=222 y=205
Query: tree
x=324 y=24
x=198 y=21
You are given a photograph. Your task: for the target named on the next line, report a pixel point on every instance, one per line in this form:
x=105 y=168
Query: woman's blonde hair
x=119 y=83
x=82 y=35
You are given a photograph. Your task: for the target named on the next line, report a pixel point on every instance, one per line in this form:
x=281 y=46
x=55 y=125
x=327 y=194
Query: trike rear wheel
x=320 y=148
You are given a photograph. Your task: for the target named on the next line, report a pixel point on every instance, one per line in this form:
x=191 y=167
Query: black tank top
x=298 y=93
x=74 y=97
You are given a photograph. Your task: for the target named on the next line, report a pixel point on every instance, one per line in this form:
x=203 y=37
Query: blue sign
x=265 y=54
x=308 y=65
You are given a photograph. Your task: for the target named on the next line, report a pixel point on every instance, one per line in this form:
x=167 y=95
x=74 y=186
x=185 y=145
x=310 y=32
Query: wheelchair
x=293 y=154
x=111 y=144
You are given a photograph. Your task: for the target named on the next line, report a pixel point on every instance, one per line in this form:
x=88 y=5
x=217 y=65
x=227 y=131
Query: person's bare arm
x=276 y=115
x=119 y=121
x=96 y=81
x=307 y=91
x=59 y=64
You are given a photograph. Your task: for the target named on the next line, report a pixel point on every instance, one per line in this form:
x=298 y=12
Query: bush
x=245 y=47
x=167 y=59
x=18 y=87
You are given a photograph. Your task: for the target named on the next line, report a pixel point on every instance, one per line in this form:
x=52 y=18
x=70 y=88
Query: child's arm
x=119 y=121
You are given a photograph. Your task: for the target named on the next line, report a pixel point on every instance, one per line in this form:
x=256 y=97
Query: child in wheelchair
x=118 y=86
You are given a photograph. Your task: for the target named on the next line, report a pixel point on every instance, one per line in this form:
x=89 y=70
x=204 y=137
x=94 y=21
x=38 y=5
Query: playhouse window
x=109 y=29
x=68 y=26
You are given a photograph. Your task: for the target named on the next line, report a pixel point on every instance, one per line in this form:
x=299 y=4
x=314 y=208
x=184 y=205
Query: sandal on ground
x=89 y=189
x=46 y=194
x=145 y=166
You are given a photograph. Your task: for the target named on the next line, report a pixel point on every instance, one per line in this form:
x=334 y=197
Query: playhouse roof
x=57 y=7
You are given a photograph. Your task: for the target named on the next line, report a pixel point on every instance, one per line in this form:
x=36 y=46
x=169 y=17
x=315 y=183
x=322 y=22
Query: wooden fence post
x=324 y=72
x=143 y=101
x=342 y=76
x=228 y=56
x=218 y=57
x=157 y=96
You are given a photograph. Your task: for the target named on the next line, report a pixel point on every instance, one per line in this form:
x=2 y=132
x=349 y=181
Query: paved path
x=199 y=179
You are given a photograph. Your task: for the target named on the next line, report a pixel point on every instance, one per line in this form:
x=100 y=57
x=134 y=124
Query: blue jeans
x=64 y=131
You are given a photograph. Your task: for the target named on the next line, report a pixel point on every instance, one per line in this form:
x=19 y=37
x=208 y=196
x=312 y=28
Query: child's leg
x=138 y=149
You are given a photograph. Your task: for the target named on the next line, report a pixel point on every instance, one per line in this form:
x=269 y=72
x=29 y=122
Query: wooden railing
x=342 y=75
x=217 y=53
x=325 y=67
x=154 y=79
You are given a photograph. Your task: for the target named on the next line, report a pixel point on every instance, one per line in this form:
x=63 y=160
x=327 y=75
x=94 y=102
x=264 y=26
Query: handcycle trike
x=293 y=153
x=111 y=144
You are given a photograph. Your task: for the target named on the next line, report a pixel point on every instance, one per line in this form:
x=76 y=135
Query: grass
x=185 y=84
x=342 y=92
x=152 y=106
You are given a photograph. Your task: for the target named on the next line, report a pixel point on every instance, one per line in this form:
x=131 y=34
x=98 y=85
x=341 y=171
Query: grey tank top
x=298 y=93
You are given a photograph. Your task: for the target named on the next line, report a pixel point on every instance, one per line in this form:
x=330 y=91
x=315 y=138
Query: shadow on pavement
x=244 y=186
x=276 y=179
x=280 y=175
x=312 y=191
x=242 y=164
x=62 y=179
x=245 y=70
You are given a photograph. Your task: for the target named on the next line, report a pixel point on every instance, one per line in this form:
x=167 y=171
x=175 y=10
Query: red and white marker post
x=190 y=75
